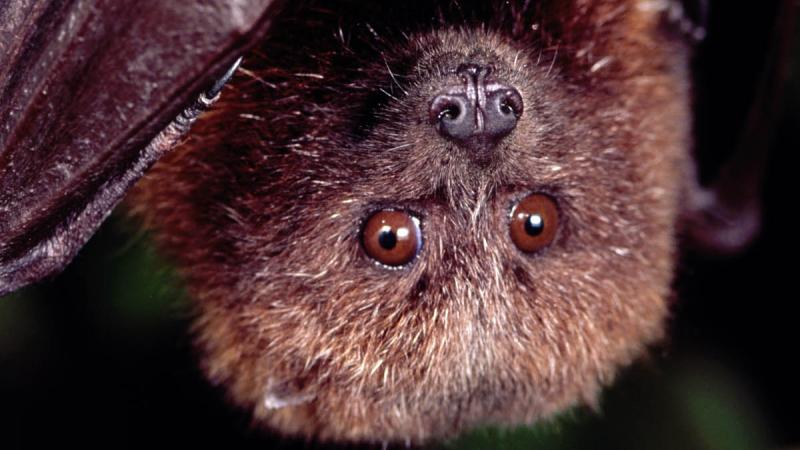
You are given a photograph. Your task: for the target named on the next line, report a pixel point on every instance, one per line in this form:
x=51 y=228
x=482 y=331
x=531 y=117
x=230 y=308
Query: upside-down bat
x=398 y=221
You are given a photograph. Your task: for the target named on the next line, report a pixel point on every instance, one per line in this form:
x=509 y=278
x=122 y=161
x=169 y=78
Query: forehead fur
x=262 y=209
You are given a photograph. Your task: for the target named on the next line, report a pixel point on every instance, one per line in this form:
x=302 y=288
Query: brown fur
x=261 y=210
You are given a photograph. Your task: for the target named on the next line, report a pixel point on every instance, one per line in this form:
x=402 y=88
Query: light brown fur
x=261 y=210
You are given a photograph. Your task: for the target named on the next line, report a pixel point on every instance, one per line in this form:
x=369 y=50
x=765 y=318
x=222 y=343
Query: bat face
x=396 y=232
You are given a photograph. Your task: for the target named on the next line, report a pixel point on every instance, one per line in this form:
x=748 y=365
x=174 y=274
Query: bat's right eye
x=534 y=222
x=392 y=238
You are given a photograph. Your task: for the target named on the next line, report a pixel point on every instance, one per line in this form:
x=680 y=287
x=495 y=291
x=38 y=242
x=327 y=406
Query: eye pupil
x=534 y=226
x=387 y=239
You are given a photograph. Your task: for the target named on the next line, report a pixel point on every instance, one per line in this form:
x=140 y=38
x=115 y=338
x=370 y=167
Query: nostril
x=503 y=110
x=446 y=107
x=510 y=102
x=450 y=113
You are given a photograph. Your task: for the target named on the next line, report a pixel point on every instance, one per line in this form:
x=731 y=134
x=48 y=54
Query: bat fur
x=327 y=121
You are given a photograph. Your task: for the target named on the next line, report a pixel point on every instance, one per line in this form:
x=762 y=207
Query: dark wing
x=85 y=86
x=745 y=46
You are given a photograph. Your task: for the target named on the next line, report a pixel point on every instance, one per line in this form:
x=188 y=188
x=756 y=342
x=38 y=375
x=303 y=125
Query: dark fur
x=261 y=210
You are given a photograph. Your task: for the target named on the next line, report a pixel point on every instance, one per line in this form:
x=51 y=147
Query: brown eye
x=534 y=222
x=392 y=237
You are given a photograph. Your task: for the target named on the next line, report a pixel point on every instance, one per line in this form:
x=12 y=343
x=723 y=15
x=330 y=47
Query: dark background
x=101 y=354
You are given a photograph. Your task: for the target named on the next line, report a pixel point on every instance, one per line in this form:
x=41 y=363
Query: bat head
x=398 y=236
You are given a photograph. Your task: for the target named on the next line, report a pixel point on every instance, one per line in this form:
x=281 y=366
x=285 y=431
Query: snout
x=478 y=113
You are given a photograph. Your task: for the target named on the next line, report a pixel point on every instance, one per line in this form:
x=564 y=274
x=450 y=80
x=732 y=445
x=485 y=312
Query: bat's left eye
x=534 y=222
x=391 y=237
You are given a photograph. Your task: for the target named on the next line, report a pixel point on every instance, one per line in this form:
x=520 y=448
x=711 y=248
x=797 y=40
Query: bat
x=412 y=221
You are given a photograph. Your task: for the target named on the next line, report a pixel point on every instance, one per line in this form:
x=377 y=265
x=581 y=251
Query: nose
x=478 y=113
